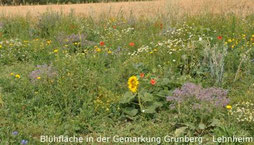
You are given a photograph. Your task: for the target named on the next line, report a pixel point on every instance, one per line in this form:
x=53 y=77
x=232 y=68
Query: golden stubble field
x=139 y=9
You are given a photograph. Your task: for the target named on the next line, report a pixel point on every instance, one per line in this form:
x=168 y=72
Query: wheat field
x=139 y=9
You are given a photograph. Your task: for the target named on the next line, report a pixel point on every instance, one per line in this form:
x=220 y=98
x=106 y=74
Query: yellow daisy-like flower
x=98 y=49
x=12 y=74
x=17 y=76
x=229 y=107
x=133 y=84
x=56 y=50
x=38 y=78
x=49 y=42
x=230 y=40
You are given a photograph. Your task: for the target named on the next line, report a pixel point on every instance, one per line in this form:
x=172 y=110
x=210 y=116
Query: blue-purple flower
x=24 y=142
x=15 y=133
x=215 y=97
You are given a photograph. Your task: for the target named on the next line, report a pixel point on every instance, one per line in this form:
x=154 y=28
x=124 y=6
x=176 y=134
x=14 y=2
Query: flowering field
x=133 y=79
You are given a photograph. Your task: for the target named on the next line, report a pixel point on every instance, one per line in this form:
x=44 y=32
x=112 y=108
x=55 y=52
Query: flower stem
x=139 y=102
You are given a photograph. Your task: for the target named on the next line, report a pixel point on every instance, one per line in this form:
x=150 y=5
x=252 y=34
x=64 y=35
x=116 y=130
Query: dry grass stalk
x=149 y=9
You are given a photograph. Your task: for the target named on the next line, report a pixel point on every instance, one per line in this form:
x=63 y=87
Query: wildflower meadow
x=125 y=79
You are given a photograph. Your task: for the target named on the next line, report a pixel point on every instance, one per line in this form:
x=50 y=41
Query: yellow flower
x=49 y=42
x=56 y=50
x=98 y=49
x=112 y=19
x=38 y=78
x=229 y=107
x=1 y=46
x=253 y=35
x=229 y=40
x=17 y=76
x=133 y=84
x=12 y=74
x=109 y=52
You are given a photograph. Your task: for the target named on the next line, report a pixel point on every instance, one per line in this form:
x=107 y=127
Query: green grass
x=80 y=86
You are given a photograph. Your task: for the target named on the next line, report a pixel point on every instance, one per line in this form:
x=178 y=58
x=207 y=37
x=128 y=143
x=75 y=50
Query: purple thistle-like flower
x=14 y=133
x=216 y=97
x=24 y=142
x=196 y=106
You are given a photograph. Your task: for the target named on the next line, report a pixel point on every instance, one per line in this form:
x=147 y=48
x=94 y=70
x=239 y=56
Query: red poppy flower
x=102 y=43
x=132 y=44
x=152 y=82
x=142 y=75
x=219 y=37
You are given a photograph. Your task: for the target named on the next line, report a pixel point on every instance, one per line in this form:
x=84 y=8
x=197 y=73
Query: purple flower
x=42 y=70
x=189 y=92
x=14 y=133
x=73 y=39
x=24 y=142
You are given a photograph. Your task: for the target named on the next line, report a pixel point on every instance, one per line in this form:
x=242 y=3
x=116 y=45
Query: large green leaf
x=152 y=108
x=130 y=111
x=201 y=126
x=127 y=98
x=165 y=81
x=215 y=122
x=180 y=131
x=149 y=109
x=157 y=104
x=147 y=97
x=164 y=93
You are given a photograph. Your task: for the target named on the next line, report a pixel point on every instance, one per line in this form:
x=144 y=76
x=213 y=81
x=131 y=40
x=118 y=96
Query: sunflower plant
x=140 y=97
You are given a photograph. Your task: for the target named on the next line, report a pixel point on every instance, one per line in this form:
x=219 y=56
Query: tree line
x=23 y=2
